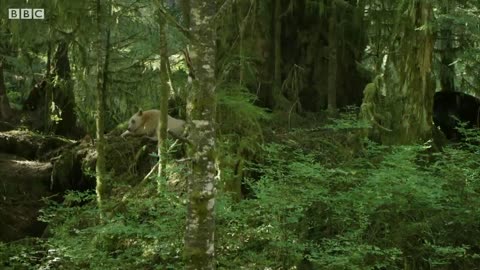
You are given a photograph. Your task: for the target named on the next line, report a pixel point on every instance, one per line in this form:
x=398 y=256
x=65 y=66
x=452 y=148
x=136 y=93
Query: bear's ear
x=140 y=112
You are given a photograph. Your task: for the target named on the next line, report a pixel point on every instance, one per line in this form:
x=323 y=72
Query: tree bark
x=185 y=7
x=5 y=109
x=401 y=100
x=278 y=99
x=164 y=93
x=103 y=44
x=447 y=52
x=332 y=59
x=62 y=93
x=200 y=228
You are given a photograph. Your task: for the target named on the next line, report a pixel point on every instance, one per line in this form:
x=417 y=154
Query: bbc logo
x=26 y=13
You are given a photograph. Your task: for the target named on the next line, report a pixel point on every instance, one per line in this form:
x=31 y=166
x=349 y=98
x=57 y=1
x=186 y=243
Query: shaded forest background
x=324 y=111
x=61 y=47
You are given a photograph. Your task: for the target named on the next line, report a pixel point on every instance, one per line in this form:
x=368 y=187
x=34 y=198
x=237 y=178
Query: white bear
x=145 y=123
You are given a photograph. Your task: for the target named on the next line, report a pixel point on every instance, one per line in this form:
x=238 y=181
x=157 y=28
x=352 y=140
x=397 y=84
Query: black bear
x=451 y=108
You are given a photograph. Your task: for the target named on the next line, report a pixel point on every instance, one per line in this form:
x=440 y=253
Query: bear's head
x=135 y=121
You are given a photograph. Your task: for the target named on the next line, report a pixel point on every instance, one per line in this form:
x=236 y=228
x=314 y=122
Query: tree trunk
x=241 y=53
x=49 y=60
x=5 y=109
x=185 y=7
x=164 y=93
x=447 y=68
x=200 y=228
x=332 y=59
x=401 y=100
x=278 y=98
x=103 y=44
x=63 y=96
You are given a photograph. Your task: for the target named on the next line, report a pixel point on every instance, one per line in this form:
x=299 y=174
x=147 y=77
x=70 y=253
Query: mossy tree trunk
x=103 y=45
x=404 y=93
x=185 y=7
x=5 y=109
x=332 y=59
x=280 y=101
x=61 y=94
x=200 y=228
x=446 y=50
x=164 y=93
x=277 y=66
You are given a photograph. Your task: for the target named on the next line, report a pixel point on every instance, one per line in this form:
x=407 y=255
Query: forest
x=240 y=134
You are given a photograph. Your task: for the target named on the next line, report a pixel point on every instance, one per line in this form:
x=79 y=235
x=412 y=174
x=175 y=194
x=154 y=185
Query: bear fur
x=145 y=123
x=451 y=108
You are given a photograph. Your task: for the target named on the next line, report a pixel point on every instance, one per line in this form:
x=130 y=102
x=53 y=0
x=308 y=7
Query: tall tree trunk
x=49 y=60
x=5 y=109
x=185 y=7
x=63 y=96
x=332 y=59
x=278 y=99
x=48 y=93
x=164 y=93
x=401 y=100
x=241 y=37
x=200 y=228
x=103 y=45
x=447 y=68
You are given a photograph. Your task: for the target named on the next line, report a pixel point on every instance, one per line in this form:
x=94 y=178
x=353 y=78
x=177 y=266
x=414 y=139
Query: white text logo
x=26 y=13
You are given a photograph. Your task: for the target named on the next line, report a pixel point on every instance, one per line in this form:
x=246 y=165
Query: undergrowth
x=378 y=209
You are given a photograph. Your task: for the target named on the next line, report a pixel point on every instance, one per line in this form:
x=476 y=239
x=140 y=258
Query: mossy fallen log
x=34 y=166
